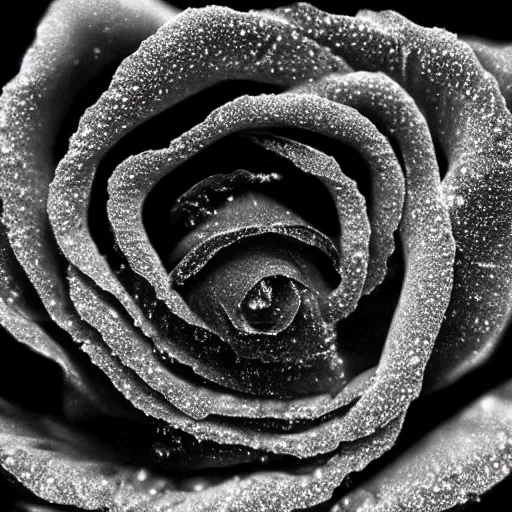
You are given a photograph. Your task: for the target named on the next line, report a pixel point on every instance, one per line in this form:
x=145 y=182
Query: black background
x=17 y=28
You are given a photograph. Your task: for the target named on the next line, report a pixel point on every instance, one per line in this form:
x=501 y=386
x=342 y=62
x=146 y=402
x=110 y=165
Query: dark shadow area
x=28 y=379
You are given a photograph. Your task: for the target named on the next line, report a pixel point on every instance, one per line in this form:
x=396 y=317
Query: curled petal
x=223 y=207
x=80 y=382
x=251 y=295
x=199 y=256
x=167 y=68
x=15 y=288
x=285 y=492
x=427 y=240
x=459 y=460
x=64 y=467
x=132 y=180
x=196 y=401
x=469 y=119
x=75 y=41
x=351 y=208
x=163 y=395
x=497 y=59
x=62 y=60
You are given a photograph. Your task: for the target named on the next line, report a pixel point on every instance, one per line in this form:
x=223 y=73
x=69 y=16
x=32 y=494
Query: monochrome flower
x=243 y=316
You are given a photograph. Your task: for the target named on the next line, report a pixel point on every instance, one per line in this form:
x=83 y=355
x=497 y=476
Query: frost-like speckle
x=74 y=470
x=453 y=465
x=427 y=241
x=166 y=69
x=32 y=107
x=411 y=86
x=353 y=245
x=133 y=180
x=467 y=116
x=135 y=353
x=32 y=335
x=497 y=59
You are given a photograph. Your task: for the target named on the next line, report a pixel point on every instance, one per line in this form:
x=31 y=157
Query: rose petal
x=141 y=89
x=496 y=58
x=176 y=394
x=426 y=233
x=249 y=208
x=64 y=467
x=197 y=401
x=128 y=187
x=80 y=381
x=461 y=459
x=468 y=117
x=199 y=256
x=53 y=72
x=75 y=40
x=131 y=181
x=284 y=492
x=221 y=292
x=316 y=114
x=350 y=205
x=15 y=288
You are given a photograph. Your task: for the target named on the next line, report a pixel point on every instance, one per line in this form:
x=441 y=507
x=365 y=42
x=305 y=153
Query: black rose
x=241 y=318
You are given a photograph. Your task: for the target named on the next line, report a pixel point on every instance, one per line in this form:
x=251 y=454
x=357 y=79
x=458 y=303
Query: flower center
x=270 y=304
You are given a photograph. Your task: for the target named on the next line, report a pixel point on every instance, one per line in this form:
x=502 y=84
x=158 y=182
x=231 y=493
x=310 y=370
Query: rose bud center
x=271 y=304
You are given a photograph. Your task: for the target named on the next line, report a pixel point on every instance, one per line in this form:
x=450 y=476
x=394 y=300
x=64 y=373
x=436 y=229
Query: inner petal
x=271 y=304
x=261 y=296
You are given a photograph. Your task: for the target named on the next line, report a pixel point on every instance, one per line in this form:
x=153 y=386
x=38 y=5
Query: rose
x=224 y=350
x=217 y=426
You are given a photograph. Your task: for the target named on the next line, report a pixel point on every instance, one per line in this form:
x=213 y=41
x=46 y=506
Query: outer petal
x=65 y=467
x=497 y=59
x=74 y=42
x=15 y=288
x=79 y=381
x=458 y=461
x=468 y=117
x=427 y=242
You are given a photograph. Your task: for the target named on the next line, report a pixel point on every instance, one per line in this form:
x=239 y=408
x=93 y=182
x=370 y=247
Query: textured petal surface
x=389 y=94
x=81 y=382
x=174 y=395
x=64 y=467
x=136 y=176
x=427 y=242
x=457 y=462
x=15 y=288
x=497 y=59
x=166 y=69
x=75 y=41
x=195 y=400
x=351 y=207
x=133 y=180
x=467 y=116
